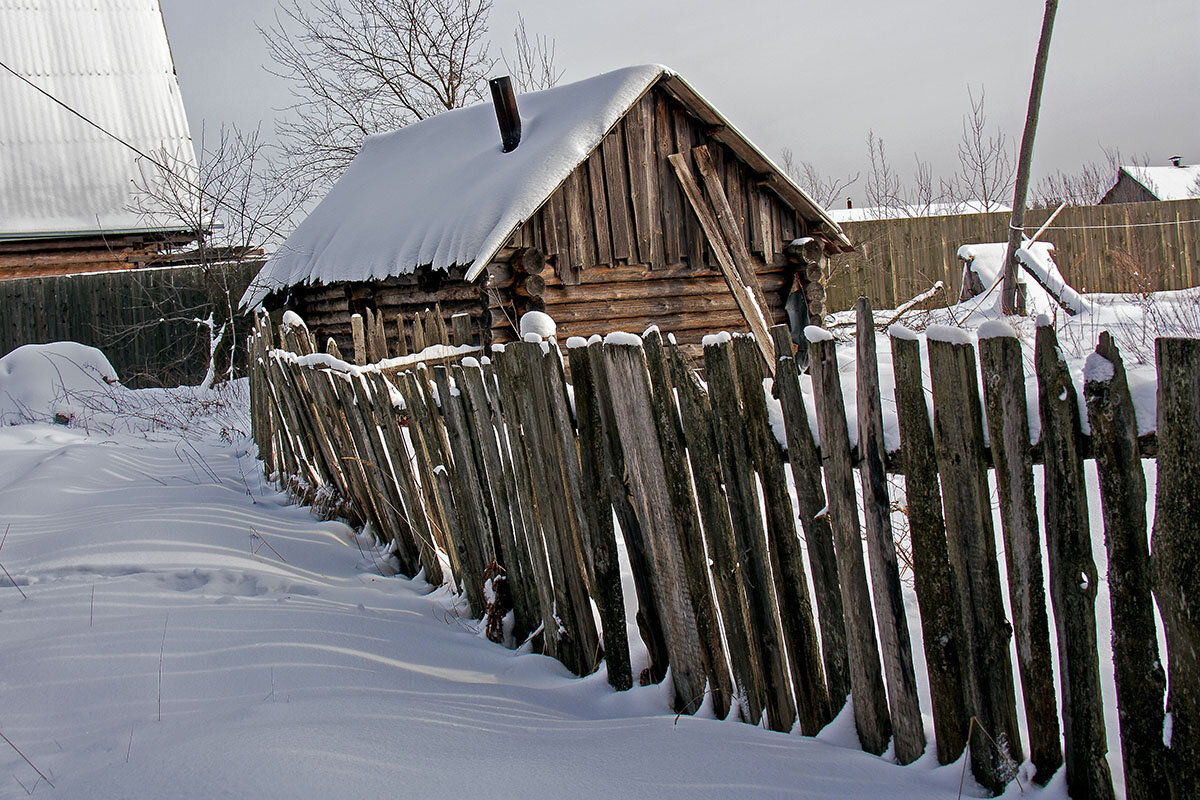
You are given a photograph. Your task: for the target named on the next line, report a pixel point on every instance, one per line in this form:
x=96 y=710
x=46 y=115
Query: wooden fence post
x=737 y=464
x=511 y=374
x=866 y=681
x=958 y=435
x=699 y=432
x=1008 y=425
x=606 y=567
x=629 y=388
x=937 y=593
x=908 y=727
x=1141 y=681
x=649 y=617
x=687 y=525
x=1176 y=549
x=360 y=339
x=810 y=497
x=787 y=560
x=1072 y=573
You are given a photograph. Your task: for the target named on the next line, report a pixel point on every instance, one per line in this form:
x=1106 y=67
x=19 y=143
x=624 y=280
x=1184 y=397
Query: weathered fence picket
x=908 y=728
x=1072 y=573
x=937 y=593
x=1139 y=675
x=1176 y=549
x=1008 y=429
x=871 y=715
x=488 y=467
x=958 y=441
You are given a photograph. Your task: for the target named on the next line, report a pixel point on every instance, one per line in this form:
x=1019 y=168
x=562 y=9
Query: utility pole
x=1017 y=222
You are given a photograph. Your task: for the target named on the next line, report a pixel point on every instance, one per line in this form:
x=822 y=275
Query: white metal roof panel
x=110 y=60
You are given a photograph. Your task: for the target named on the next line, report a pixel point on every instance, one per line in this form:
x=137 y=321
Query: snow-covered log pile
x=499 y=476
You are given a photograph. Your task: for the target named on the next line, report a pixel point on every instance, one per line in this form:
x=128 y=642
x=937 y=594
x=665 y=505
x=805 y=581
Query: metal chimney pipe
x=506 y=112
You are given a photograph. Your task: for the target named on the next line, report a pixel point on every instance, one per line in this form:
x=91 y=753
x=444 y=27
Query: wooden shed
x=628 y=201
x=67 y=186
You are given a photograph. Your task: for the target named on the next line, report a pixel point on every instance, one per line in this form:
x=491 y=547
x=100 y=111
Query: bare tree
x=984 y=180
x=232 y=203
x=883 y=189
x=1087 y=185
x=922 y=198
x=824 y=189
x=532 y=67
x=359 y=67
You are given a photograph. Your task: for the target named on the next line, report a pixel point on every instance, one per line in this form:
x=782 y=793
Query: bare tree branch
x=825 y=189
x=985 y=176
x=532 y=67
x=359 y=67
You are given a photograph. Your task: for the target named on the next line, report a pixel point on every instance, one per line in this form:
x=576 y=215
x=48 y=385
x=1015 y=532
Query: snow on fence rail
x=484 y=474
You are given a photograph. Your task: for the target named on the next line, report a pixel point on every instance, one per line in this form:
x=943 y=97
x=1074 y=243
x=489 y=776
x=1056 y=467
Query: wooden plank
x=810 y=501
x=1139 y=675
x=510 y=374
x=616 y=185
x=580 y=250
x=751 y=310
x=1174 y=548
x=687 y=524
x=958 y=437
x=696 y=417
x=937 y=594
x=692 y=246
x=730 y=227
x=908 y=728
x=670 y=208
x=742 y=491
x=599 y=196
x=649 y=618
x=787 y=561
x=1072 y=573
x=606 y=567
x=629 y=389
x=866 y=680
x=643 y=180
x=1003 y=373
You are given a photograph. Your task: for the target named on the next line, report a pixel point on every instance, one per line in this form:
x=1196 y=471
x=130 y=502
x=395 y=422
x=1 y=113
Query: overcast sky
x=816 y=77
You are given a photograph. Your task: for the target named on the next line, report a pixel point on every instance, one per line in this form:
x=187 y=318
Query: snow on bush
x=59 y=381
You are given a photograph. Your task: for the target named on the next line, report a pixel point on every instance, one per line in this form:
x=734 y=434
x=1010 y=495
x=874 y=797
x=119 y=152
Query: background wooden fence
x=498 y=476
x=142 y=319
x=1130 y=247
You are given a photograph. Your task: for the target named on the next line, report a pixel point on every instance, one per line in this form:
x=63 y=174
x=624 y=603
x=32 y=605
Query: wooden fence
x=144 y=320
x=1131 y=247
x=503 y=479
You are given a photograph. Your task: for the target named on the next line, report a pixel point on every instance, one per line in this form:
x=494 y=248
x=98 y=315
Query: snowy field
x=174 y=628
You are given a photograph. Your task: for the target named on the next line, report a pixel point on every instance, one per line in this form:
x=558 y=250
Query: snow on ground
x=178 y=629
x=181 y=631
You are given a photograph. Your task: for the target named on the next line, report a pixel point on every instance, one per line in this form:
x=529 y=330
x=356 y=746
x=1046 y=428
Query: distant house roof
x=110 y=60
x=441 y=192
x=1167 y=183
x=863 y=213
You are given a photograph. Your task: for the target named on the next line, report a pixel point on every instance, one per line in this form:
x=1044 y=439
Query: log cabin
x=615 y=203
x=66 y=182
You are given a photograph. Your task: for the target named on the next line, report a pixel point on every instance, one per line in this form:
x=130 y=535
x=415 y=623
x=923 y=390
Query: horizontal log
x=698 y=286
x=641 y=272
x=804 y=251
x=529 y=260
x=530 y=286
x=600 y=310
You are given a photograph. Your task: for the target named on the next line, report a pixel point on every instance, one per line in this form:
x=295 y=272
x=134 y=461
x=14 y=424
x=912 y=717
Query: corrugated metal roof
x=108 y=59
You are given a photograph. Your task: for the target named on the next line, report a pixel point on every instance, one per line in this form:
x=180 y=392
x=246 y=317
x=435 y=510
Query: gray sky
x=816 y=76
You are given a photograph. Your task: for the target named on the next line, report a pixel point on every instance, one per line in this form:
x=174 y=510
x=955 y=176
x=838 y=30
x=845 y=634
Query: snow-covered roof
x=863 y=213
x=1168 y=183
x=441 y=192
x=108 y=59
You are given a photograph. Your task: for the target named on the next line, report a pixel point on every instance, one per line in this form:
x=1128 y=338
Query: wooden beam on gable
x=752 y=309
x=729 y=224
